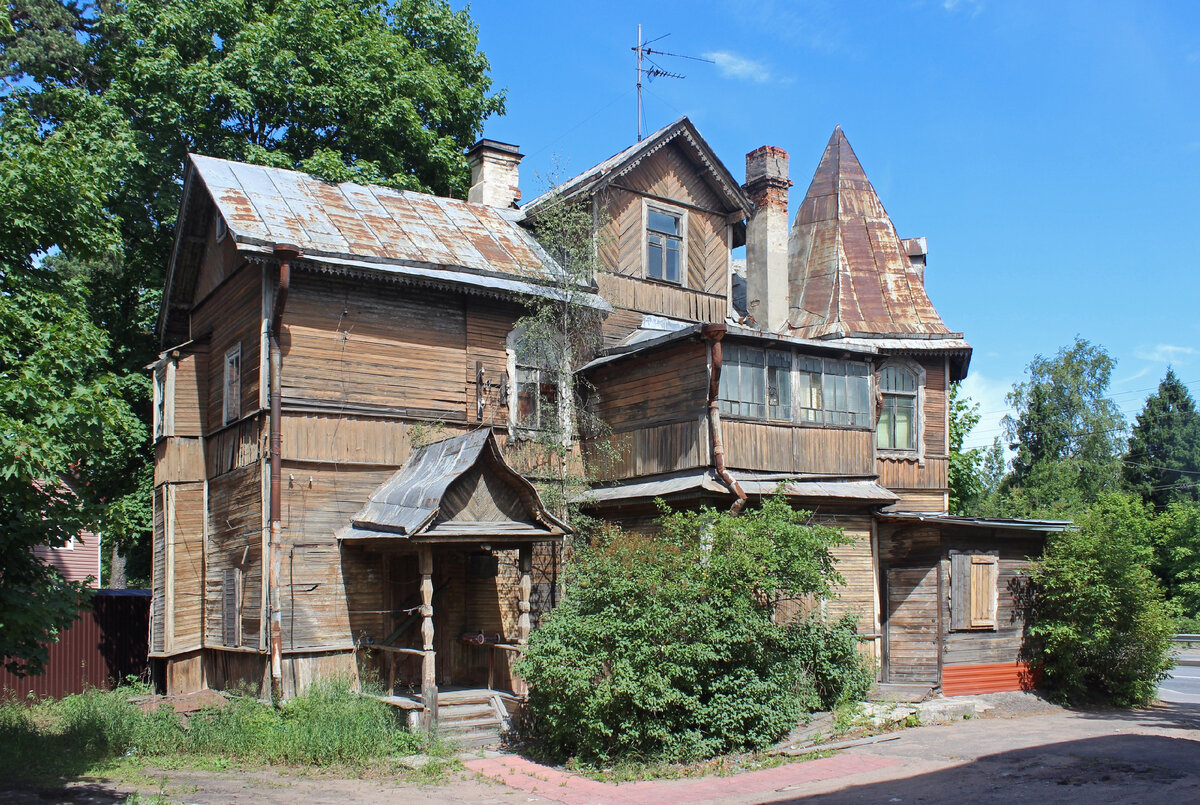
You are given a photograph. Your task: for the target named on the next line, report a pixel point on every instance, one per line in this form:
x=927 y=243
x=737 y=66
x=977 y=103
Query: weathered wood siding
x=190 y=398
x=923 y=485
x=670 y=177
x=232 y=314
x=796 y=448
x=983 y=645
x=912 y=628
x=235 y=542
x=185 y=506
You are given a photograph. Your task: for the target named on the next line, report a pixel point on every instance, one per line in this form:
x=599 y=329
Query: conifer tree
x=1163 y=462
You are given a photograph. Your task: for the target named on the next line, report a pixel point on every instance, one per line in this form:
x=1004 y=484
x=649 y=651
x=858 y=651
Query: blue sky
x=1050 y=152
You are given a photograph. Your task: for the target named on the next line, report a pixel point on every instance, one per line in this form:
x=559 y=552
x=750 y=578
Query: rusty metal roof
x=628 y=159
x=849 y=274
x=861 y=490
x=409 y=503
x=263 y=206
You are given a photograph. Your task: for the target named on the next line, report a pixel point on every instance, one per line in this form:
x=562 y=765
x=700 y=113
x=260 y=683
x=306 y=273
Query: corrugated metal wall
x=104 y=646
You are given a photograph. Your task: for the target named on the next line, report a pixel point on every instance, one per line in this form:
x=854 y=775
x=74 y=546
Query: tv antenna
x=644 y=55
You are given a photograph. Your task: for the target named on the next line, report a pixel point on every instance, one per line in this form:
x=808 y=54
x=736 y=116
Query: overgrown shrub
x=1101 y=628
x=829 y=655
x=664 y=648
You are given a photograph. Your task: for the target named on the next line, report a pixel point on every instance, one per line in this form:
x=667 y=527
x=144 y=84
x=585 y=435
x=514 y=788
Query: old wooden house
x=341 y=409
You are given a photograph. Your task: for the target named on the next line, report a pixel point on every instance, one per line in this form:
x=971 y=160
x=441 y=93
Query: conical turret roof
x=848 y=272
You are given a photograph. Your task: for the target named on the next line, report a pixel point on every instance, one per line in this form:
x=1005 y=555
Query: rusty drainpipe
x=713 y=333
x=286 y=254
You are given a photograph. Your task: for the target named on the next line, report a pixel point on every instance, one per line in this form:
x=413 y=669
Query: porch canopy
x=456 y=490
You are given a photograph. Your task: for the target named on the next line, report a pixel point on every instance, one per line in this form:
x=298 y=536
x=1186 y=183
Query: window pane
x=884 y=438
x=662 y=222
x=905 y=435
x=672 y=270
x=859 y=393
x=527 y=397
x=654 y=257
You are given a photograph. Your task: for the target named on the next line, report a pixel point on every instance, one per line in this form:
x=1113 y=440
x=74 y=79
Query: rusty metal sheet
x=848 y=270
x=263 y=206
x=751 y=483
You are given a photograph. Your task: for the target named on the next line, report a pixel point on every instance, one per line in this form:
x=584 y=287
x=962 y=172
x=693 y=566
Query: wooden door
x=912 y=625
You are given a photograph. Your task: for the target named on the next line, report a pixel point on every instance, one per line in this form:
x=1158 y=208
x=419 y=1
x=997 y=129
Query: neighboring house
x=79 y=558
x=365 y=501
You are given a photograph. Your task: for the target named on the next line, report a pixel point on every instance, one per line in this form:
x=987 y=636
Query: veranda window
x=897 y=429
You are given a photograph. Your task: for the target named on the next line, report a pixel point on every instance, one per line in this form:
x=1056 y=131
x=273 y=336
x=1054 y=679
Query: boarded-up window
x=973 y=591
x=231 y=594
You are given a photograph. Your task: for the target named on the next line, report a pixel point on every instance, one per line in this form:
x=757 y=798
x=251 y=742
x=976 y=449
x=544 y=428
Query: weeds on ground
x=97 y=730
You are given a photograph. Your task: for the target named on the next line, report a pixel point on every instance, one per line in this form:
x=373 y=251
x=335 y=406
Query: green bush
x=665 y=648
x=829 y=655
x=1101 y=628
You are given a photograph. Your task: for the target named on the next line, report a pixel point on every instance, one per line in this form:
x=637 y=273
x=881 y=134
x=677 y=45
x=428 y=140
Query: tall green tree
x=965 y=470
x=1068 y=436
x=374 y=90
x=1163 y=462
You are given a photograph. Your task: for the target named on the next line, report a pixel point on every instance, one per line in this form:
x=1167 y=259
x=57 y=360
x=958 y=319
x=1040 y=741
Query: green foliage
x=1067 y=434
x=665 y=648
x=328 y=725
x=965 y=479
x=1101 y=629
x=1178 y=531
x=828 y=652
x=1163 y=462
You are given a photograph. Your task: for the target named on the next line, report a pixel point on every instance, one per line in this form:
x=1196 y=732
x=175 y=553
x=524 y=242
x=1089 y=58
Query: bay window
x=782 y=386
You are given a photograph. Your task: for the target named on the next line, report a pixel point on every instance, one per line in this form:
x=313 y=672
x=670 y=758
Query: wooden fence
x=108 y=643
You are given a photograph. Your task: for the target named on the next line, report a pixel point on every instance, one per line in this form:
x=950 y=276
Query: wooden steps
x=473 y=721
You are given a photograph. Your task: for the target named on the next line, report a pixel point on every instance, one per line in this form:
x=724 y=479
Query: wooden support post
x=429 y=692
x=525 y=559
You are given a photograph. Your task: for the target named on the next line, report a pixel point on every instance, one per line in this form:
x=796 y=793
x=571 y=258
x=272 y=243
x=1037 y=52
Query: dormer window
x=665 y=243
x=897 y=428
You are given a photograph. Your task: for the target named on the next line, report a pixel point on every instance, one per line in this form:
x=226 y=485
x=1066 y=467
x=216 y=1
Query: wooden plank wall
x=912 y=655
x=670 y=386
x=187 y=566
x=856 y=563
x=488 y=324
x=191 y=392
x=375 y=345
x=924 y=485
x=235 y=534
x=238 y=445
x=795 y=448
x=178 y=458
x=1002 y=644
x=668 y=175
x=232 y=314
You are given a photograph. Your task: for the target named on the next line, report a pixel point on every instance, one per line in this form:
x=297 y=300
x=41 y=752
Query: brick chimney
x=767 y=186
x=494 y=173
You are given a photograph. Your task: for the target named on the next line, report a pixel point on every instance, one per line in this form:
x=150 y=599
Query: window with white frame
x=160 y=397
x=897 y=427
x=665 y=241
x=536 y=401
x=232 y=397
x=782 y=386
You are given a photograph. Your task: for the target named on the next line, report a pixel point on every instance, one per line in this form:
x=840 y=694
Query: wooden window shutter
x=960 y=591
x=983 y=591
x=231 y=584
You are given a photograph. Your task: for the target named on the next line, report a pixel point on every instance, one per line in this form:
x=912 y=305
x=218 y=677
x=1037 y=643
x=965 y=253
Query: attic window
x=665 y=243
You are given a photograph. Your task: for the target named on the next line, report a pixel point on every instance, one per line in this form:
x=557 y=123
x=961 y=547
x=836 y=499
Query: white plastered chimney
x=494 y=173
x=767 y=186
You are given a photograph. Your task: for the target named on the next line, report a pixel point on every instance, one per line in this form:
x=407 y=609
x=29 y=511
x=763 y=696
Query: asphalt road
x=1182 y=686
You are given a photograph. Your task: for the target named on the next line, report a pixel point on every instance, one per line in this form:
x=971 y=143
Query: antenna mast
x=654 y=71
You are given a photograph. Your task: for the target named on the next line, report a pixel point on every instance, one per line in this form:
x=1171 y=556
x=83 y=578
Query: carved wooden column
x=429 y=693
x=525 y=562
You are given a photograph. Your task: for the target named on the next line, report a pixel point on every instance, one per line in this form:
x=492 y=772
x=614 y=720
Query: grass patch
x=99 y=731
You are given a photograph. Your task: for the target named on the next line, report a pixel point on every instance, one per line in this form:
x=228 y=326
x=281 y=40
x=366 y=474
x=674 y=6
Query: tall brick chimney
x=494 y=173
x=767 y=186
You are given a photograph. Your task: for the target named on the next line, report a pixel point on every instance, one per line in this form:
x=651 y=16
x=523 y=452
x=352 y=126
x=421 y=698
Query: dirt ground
x=1029 y=751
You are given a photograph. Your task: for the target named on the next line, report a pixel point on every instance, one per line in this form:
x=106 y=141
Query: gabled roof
x=849 y=273
x=458 y=487
x=621 y=163
x=406 y=235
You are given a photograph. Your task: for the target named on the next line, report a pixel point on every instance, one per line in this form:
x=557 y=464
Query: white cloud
x=975 y=6
x=1166 y=353
x=1193 y=57
x=733 y=66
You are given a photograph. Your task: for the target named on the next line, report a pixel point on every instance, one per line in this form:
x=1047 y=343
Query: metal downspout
x=286 y=254
x=713 y=333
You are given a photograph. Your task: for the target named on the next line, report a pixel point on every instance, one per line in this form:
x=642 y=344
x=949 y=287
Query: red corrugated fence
x=107 y=644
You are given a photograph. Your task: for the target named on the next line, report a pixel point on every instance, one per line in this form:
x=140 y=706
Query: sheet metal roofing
x=630 y=157
x=408 y=503
x=377 y=227
x=1002 y=523
x=853 y=489
x=849 y=273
